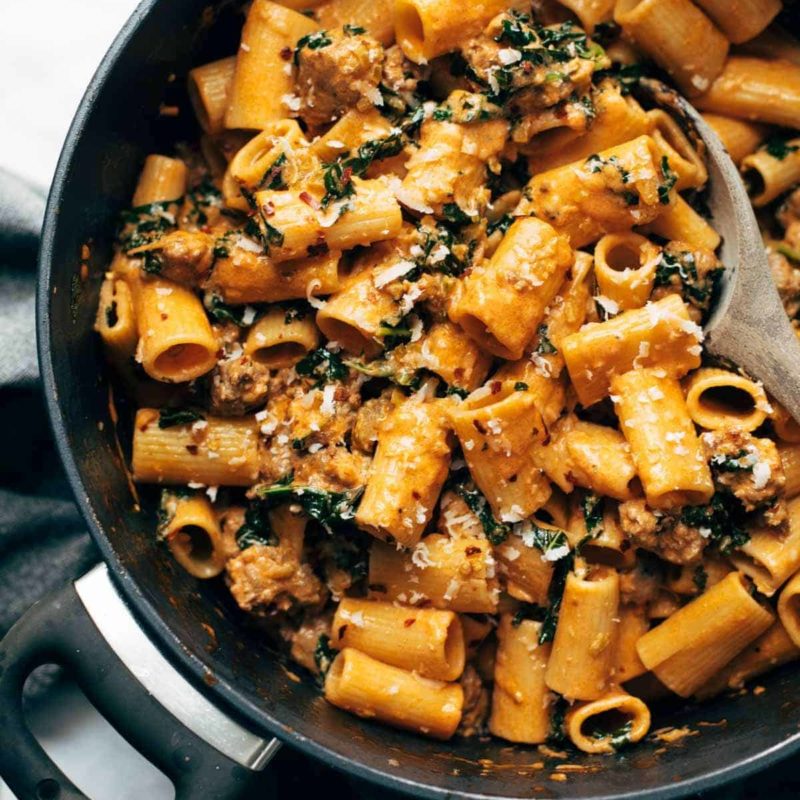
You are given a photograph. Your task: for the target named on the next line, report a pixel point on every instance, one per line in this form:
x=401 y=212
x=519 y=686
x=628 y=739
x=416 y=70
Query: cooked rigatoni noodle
x=520 y=698
x=298 y=224
x=162 y=179
x=279 y=340
x=760 y=89
x=667 y=453
x=607 y=192
x=116 y=321
x=375 y=15
x=268 y=31
x=176 y=342
x=209 y=89
x=607 y=543
x=771 y=557
x=407 y=473
x=770 y=651
x=212 y=451
x=424 y=640
x=786 y=426
x=743 y=19
x=790 y=461
x=528 y=574
x=348 y=134
x=767 y=177
x=660 y=334
x=372 y=689
x=590 y=12
x=582 y=659
x=475 y=632
x=450 y=164
x=608 y=723
x=619 y=118
x=273 y=156
x=504 y=300
x=447 y=351
x=717 y=398
x=625 y=268
x=739 y=136
x=684 y=160
x=498 y=430
x=600 y=459
x=244 y=276
x=678 y=36
x=680 y=222
x=356 y=313
x=633 y=624
x=698 y=640
x=428 y=28
x=193 y=535
x=710 y=572
x=455 y=574
x=789 y=609
x=549 y=390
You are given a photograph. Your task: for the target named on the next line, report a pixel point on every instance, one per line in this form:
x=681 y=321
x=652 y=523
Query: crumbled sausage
x=662 y=533
x=476 y=703
x=401 y=75
x=338 y=76
x=182 y=256
x=304 y=640
x=238 y=384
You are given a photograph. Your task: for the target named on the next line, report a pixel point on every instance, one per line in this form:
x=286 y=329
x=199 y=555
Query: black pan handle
x=61 y=629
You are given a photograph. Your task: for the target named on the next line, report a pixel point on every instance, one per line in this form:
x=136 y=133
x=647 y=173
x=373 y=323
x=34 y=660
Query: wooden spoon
x=748 y=325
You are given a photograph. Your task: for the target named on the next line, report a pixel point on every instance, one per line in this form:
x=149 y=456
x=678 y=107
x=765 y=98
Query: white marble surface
x=49 y=50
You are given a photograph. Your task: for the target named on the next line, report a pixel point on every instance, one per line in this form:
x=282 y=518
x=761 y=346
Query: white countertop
x=49 y=50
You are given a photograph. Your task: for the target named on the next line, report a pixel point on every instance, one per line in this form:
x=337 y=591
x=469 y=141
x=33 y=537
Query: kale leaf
x=170 y=417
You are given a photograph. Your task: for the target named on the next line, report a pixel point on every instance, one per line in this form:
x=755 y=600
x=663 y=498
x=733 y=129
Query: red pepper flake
x=309 y=200
x=479 y=426
x=268 y=208
x=342 y=629
x=407 y=623
x=496 y=387
x=472 y=551
x=286 y=53
x=164 y=316
x=192 y=449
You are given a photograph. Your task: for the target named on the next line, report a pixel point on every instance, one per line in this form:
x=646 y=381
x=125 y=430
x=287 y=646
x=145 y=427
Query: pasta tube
x=270 y=29
x=680 y=222
x=684 y=161
x=161 y=180
x=767 y=177
x=520 y=699
x=279 y=340
x=739 y=136
x=116 y=321
x=588 y=730
x=209 y=90
x=193 y=536
x=369 y=688
x=717 y=398
x=407 y=474
x=504 y=300
x=497 y=431
x=698 y=640
x=678 y=36
x=212 y=452
x=764 y=90
x=625 y=268
x=454 y=574
x=666 y=450
x=422 y=640
x=633 y=624
x=608 y=192
x=176 y=342
x=743 y=20
x=582 y=658
x=659 y=335
x=375 y=15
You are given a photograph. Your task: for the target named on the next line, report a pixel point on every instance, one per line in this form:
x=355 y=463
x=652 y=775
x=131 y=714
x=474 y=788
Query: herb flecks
x=172 y=417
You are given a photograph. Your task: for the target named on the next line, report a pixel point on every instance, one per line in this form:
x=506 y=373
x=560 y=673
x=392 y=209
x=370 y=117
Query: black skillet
x=167 y=639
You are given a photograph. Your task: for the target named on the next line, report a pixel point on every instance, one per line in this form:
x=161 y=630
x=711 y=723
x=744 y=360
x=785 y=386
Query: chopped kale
x=626 y=75
x=719 y=521
x=670 y=179
x=592 y=508
x=496 y=532
x=338 y=181
x=393 y=334
x=152 y=263
x=790 y=252
x=294 y=311
x=273 y=177
x=700 y=578
x=697 y=291
x=456 y=391
x=202 y=197
x=353 y=30
x=328 y=508
x=324 y=654
x=222 y=312
x=326 y=366
x=553 y=544
x=528 y=611
x=144 y=224
x=554 y=597
x=313 y=41
x=779 y=148
x=382 y=369
x=443 y=114
x=520 y=386
x=502 y=224
x=557 y=717
x=256 y=528
x=618 y=738
x=516 y=32
x=170 y=417
x=743 y=461
x=545 y=346
x=452 y=212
